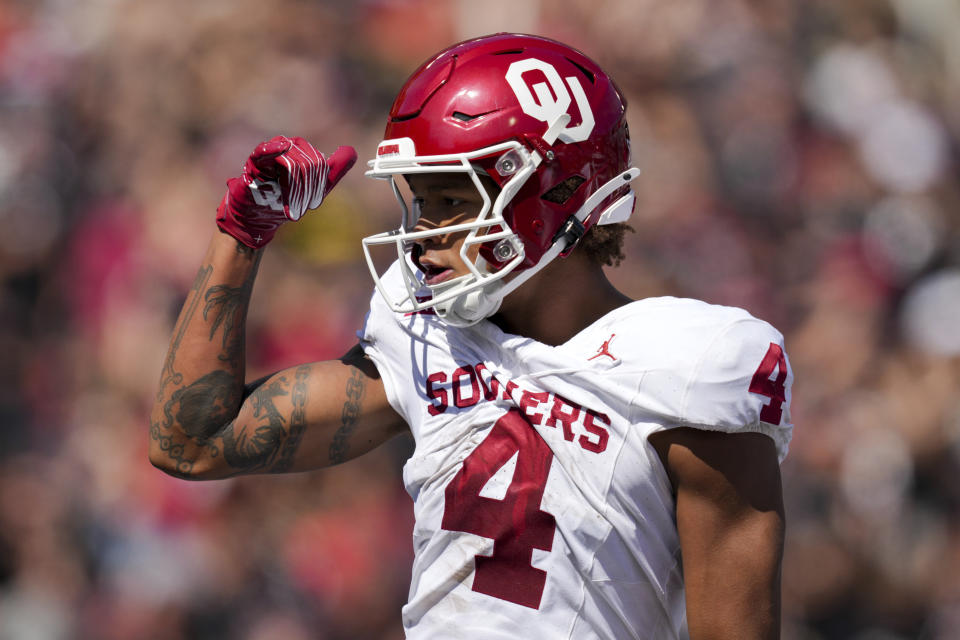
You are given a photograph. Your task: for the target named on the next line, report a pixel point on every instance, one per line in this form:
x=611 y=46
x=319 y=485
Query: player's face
x=442 y=200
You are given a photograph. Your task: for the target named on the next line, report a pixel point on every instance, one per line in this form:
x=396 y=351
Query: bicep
x=306 y=417
x=730 y=519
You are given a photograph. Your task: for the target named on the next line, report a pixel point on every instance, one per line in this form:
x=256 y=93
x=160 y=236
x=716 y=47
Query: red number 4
x=773 y=389
x=516 y=523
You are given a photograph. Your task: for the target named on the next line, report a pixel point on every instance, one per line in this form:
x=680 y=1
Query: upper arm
x=730 y=519
x=305 y=417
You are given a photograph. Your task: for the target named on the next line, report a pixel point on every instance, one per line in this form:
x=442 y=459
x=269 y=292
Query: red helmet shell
x=462 y=100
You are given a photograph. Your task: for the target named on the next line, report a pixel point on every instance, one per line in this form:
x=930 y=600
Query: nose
x=435 y=242
x=426 y=223
x=423 y=244
x=438 y=239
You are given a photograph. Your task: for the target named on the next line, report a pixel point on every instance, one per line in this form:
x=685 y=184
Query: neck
x=565 y=298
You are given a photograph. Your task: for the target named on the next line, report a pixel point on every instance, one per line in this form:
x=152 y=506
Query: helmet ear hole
x=563 y=191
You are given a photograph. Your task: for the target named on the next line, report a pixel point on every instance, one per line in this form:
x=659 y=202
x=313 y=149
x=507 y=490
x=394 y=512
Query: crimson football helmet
x=539 y=118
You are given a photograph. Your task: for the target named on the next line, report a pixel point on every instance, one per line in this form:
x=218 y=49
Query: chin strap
x=470 y=308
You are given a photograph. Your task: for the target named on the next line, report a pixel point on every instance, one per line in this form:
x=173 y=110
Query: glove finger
x=340 y=161
x=306 y=150
x=238 y=189
x=272 y=147
x=299 y=173
x=262 y=162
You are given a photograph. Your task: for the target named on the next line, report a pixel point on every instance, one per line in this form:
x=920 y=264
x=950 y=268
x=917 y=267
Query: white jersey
x=540 y=507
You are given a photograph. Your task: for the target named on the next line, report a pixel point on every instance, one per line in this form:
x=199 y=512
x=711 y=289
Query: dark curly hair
x=604 y=244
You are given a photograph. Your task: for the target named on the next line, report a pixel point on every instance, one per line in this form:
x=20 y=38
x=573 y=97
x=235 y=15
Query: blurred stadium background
x=800 y=159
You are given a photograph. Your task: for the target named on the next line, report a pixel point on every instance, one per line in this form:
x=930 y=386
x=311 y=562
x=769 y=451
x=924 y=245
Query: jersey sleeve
x=742 y=382
x=386 y=341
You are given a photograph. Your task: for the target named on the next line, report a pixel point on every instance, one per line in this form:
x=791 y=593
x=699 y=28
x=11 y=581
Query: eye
x=453 y=202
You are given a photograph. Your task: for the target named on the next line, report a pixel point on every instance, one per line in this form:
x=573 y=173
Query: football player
x=586 y=466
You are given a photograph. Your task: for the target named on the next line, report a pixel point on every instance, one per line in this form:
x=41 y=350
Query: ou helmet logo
x=543 y=106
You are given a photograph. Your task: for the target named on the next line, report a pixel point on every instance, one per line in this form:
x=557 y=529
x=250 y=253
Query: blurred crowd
x=800 y=159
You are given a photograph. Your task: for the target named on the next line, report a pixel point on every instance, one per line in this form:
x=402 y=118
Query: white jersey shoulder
x=707 y=366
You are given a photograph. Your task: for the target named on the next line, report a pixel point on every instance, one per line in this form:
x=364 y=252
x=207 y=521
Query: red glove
x=281 y=180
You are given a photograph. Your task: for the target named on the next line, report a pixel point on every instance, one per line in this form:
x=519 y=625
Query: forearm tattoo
x=228 y=305
x=170 y=375
x=202 y=407
x=349 y=415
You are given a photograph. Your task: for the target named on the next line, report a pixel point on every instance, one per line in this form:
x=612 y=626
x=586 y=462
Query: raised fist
x=281 y=180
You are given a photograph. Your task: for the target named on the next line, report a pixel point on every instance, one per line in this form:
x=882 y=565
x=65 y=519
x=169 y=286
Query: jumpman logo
x=604 y=349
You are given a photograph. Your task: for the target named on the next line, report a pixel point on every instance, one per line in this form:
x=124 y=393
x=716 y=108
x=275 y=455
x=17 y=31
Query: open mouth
x=435 y=274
